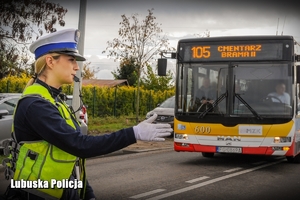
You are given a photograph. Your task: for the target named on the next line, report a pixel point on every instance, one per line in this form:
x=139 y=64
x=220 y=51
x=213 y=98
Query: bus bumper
x=178 y=146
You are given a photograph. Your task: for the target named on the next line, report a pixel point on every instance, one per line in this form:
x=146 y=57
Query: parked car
x=164 y=111
x=83 y=115
x=8 y=102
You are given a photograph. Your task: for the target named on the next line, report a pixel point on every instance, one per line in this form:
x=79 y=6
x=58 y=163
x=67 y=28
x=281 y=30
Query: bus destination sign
x=269 y=51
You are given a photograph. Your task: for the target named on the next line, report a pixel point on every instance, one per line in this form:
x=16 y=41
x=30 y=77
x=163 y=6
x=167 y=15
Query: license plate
x=229 y=149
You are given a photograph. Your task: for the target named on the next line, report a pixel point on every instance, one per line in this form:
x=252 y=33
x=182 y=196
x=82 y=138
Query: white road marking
x=197 y=179
x=234 y=169
x=212 y=181
x=147 y=194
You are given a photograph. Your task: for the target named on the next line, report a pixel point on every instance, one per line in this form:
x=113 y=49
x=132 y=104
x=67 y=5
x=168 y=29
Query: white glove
x=151 y=132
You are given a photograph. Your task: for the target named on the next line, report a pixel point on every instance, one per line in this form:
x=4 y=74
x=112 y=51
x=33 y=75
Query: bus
x=237 y=94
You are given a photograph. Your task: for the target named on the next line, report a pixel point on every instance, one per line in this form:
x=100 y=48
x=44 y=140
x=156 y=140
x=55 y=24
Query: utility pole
x=81 y=28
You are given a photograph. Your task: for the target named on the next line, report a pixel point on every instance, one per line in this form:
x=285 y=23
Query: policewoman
x=48 y=145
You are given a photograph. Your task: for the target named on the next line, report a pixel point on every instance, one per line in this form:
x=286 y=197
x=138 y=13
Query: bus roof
x=238 y=38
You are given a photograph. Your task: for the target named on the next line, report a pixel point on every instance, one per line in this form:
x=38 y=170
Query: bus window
x=202 y=84
x=261 y=82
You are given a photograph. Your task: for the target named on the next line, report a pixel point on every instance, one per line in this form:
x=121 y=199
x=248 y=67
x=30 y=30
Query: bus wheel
x=207 y=155
x=293 y=159
x=290 y=159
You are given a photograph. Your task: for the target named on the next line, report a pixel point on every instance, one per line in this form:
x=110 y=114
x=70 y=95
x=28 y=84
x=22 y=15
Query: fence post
x=115 y=101
x=150 y=98
x=148 y=101
x=7 y=86
x=133 y=102
x=94 y=99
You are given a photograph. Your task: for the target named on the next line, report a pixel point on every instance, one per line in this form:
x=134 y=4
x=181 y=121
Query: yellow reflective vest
x=44 y=162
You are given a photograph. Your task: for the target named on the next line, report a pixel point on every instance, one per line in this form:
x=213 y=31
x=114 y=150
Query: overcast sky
x=180 y=19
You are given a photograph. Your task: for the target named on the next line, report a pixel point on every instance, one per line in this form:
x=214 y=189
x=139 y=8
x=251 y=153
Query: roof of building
x=105 y=83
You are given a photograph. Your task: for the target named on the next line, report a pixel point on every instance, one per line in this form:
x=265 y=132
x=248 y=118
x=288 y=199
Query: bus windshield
x=260 y=90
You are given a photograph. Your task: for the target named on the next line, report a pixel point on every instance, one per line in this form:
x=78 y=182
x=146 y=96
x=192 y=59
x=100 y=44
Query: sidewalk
x=150 y=146
x=142 y=146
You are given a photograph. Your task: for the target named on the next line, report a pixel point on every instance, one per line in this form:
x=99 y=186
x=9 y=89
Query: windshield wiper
x=214 y=104
x=248 y=106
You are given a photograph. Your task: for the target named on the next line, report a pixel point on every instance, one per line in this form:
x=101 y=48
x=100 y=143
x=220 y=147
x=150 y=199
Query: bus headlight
x=181 y=136
x=276 y=139
x=282 y=139
x=281 y=148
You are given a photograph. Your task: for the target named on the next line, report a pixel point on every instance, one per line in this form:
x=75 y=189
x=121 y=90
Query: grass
x=110 y=124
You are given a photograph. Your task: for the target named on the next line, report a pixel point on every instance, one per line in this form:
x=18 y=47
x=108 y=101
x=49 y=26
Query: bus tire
x=290 y=159
x=293 y=159
x=208 y=155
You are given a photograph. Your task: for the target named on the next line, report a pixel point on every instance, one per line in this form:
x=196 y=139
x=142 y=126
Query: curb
x=128 y=151
x=146 y=150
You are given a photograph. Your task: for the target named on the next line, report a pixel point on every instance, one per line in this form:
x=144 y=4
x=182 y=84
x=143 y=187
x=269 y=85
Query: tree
x=87 y=73
x=140 y=41
x=127 y=70
x=206 y=33
x=8 y=62
x=151 y=81
x=21 y=22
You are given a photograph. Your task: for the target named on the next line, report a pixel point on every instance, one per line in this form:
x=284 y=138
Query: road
x=165 y=174
x=172 y=175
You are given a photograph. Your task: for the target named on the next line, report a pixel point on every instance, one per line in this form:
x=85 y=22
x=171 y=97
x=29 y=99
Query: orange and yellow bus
x=237 y=95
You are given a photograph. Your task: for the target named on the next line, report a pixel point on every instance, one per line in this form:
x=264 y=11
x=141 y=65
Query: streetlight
x=78 y=85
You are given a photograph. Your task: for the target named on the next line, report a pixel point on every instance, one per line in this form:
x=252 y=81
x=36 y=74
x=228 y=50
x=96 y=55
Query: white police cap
x=63 y=42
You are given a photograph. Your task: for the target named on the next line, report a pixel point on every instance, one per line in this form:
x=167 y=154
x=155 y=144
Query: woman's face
x=65 y=68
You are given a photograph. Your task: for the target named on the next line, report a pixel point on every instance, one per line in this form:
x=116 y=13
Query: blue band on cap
x=50 y=47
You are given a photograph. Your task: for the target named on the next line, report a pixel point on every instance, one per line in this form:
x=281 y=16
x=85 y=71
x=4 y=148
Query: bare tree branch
x=139 y=41
x=21 y=23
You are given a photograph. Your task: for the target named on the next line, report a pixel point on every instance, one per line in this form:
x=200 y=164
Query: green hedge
x=102 y=101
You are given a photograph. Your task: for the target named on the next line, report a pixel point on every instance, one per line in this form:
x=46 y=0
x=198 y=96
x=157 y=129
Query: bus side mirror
x=162 y=67
x=298 y=73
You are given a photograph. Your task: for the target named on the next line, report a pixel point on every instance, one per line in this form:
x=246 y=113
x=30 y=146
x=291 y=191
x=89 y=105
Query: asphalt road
x=172 y=175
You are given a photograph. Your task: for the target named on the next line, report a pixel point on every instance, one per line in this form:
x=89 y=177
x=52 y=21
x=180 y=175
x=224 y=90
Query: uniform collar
x=53 y=91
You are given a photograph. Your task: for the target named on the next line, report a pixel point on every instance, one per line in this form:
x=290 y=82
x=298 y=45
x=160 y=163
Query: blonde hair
x=39 y=67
